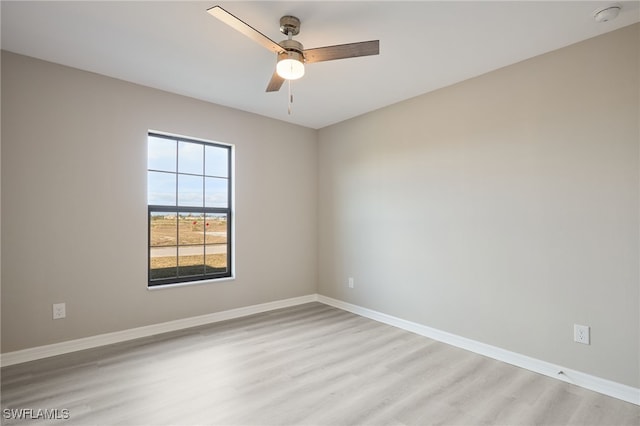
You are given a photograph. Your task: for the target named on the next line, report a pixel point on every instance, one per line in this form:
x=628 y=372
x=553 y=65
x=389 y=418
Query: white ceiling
x=176 y=46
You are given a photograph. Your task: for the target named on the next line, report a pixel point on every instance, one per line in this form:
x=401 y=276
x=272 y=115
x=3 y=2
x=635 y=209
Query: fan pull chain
x=290 y=98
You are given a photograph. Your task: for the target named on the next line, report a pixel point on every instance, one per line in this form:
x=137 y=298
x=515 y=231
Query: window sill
x=190 y=283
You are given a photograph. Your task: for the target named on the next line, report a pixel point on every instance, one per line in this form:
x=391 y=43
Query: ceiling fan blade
x=244 y=28
x=342 y=51
x=275 y=83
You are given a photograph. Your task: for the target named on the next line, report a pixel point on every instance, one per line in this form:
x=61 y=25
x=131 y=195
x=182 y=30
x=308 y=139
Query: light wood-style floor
x=306 y=365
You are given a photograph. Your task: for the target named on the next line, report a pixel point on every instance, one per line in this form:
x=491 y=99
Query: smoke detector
x=607 y=13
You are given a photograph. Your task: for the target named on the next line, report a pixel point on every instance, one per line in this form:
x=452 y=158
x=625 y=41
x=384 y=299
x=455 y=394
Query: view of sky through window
x=198 y=173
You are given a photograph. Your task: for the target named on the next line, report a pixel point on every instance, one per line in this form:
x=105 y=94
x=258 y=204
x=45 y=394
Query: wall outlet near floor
x=59 y=310
x=581 y=334
x=351 y=282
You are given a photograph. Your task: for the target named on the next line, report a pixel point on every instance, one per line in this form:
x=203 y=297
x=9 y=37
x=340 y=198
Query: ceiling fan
x=291 y=55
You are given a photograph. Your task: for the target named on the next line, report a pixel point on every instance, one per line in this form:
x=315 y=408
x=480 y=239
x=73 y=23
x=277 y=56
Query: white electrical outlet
x=59 y=310
x=581 y=334
x=351 y=282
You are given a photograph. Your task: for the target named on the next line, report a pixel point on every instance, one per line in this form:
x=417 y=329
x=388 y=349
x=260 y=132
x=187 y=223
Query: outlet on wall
x=59 y=310
x=351 y=282
x=581 y=334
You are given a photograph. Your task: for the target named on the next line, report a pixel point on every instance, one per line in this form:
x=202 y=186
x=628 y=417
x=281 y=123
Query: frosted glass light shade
x=290 y=67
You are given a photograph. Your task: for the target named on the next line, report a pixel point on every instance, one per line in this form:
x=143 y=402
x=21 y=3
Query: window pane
x=190 y=191
x=161 y=189
x=190 y=260
x=190 y=158
x=164 y=263
x=216 y=258
x=162 y=154
x=216 y=192
x=163 y=260
x=216 y=229
x=163 y=230
x=216 y=161
x=191 y=229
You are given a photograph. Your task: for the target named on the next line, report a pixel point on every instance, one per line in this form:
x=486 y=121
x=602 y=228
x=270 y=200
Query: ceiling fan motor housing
x=292 y=45
x=292 y=49
x=289 y=25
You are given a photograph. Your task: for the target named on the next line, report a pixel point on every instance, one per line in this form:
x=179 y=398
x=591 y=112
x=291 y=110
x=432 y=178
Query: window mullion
x=177 y=212
x=204 y=203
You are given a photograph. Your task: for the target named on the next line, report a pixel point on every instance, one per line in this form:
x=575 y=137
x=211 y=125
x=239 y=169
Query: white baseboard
x=597 y=384
x=39 y=352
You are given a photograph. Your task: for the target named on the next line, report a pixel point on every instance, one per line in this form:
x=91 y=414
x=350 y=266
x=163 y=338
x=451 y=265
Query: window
x=189 y=201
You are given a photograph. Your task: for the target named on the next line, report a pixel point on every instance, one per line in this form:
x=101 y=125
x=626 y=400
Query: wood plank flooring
x=306 y=365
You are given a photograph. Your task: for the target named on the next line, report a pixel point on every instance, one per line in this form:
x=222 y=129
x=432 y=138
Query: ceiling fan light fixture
x=290 y=65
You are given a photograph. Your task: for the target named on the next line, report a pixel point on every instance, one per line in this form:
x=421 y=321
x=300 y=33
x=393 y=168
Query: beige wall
x=503 y=209
x=74 y=225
